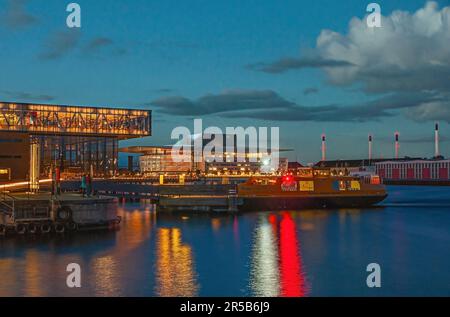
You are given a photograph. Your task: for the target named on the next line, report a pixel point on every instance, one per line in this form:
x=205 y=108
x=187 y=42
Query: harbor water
x=287 y=253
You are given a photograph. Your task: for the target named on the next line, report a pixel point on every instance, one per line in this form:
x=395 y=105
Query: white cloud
x=410 y=52
x=430 y=111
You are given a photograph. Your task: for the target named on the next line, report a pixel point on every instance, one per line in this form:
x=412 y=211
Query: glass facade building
x=76 y=139
x=76 y=154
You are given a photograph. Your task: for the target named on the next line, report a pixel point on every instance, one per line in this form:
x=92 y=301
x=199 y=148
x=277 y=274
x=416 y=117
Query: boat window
x=375 y=180
x=306 y=186
x=322 y=173
x=305 y=172
x=336 y=185
x=263 y=181
x=355 y=185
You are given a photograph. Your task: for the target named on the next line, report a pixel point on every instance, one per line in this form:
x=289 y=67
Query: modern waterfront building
x=414 y=169
x=436 y=169
x=75 y=139
x=357 y=165
x=157 y=160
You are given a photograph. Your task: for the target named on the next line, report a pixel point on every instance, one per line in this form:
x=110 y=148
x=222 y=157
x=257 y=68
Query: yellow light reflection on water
x=8 y=274
x=175 y=273
x=33 y=274
x=136 y=229
x=106 y=275
x=215 y=222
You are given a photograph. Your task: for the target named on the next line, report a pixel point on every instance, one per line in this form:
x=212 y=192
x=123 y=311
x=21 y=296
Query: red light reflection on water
x=277 y=268
x=291 y=276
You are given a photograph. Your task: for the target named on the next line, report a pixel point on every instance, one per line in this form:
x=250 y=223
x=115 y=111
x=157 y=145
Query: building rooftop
x=294 y=165
x=152 y=148
x=361 y=162
x=74 y=120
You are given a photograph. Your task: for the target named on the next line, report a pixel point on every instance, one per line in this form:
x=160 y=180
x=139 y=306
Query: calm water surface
x=290 y=253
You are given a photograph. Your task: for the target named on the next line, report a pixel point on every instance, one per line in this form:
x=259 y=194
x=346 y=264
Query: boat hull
x=316 y=202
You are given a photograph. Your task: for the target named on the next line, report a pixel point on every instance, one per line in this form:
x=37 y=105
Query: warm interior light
x=12 y=185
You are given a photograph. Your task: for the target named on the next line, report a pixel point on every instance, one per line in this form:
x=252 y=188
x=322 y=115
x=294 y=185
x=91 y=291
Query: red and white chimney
x=397 y=145
x=324 y=148
x=436 y=140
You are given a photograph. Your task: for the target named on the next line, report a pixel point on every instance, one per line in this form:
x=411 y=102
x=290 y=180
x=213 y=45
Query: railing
x=7 y=203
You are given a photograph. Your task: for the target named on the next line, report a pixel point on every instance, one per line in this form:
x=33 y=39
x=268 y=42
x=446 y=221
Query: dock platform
x=25 y=213
x=199 y=197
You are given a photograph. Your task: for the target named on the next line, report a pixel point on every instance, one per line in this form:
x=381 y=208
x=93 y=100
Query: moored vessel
x=311 y=188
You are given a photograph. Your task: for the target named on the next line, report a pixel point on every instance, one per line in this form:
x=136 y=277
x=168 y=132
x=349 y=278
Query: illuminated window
x=306 y=186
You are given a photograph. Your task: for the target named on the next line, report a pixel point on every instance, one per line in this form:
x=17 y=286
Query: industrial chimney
x=436 y=140
x=324 y=148
x=370 y=147
x=397 y=144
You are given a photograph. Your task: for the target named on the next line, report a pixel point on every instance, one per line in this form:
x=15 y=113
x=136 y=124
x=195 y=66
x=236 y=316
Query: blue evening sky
x=131 y=53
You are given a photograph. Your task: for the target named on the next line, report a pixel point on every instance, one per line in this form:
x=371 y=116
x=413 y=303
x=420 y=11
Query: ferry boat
x=311 y=188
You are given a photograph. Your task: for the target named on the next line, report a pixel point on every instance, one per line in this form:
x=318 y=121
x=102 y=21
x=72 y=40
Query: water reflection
x=33 y=277
x=276 y=259
x=106 y=276
x=152 y=254
x=292 y=278
x=175 y=274
x=136 y=226
x=265 y=279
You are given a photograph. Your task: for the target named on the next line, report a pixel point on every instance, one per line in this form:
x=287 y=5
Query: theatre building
x=414 y=170
x=34 y=138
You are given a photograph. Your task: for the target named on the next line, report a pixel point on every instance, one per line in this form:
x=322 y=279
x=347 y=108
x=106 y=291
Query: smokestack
x=370 y=147
x=324 y=148
x=436 y=140
x=397 y=144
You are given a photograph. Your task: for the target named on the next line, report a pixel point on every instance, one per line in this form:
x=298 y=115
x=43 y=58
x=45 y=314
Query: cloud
x=63 y=42
x=362 y=112
x=410 y=52
x=289 y=63
x=431 y=111
x=119 y=51
x=310 y=90
x=224 y=102
x=418 y=139
x=268 y=105
x=16 y=15
x=26 y=96
x=98 y=43
x=102 y=46
x=164 y=90
x=60 y=44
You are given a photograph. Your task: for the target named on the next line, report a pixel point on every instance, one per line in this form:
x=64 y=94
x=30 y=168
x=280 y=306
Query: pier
x=43 y=213
x=219 y=198
x=208 y=195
